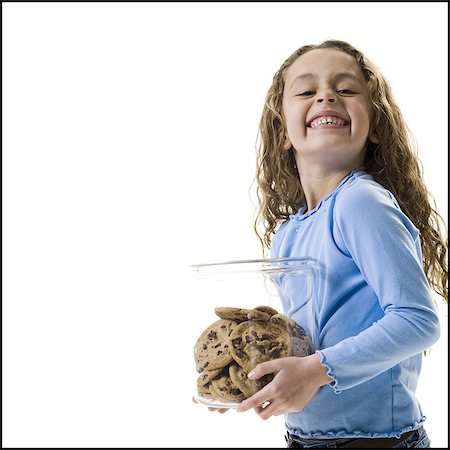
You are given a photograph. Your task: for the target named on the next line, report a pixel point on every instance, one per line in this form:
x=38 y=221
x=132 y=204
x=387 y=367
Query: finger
x=260 y=409
x=219 y=410
x=253 y=402
x=264 y=369
x=193 y=399
x=267 y=411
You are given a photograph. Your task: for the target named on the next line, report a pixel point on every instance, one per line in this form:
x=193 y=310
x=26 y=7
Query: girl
x=338 y=181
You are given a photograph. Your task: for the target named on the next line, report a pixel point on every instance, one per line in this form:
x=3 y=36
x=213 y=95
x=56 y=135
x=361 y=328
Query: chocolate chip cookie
x=207 y=375
x=300 y=346
x=225 y=389
x=204 y=391
x=284 y=322
x=212 y=349
x=239 y=314
x=240 y=378
x=253 y=342
x=266 y=309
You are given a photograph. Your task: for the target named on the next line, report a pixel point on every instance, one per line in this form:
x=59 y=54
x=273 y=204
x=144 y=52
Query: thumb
x=264 y=368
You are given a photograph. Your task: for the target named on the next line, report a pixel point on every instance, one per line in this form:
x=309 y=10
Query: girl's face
x=326 y=109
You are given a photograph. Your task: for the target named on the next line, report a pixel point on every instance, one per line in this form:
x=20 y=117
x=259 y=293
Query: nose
x=327 y=96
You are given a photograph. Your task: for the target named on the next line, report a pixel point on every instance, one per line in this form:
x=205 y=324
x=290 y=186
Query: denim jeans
x=419 y=439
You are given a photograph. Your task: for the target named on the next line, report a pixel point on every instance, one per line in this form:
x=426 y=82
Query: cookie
x=225 y=389
x=300 y=346
x=253 y=342
x=284 y=322
x=266 y=309
x=240 y=378
x=254 y=314
x=212 y=349
x=293 y=328
x=207 y=375
x=239 y=314
x=204 y=391
x=300 y=332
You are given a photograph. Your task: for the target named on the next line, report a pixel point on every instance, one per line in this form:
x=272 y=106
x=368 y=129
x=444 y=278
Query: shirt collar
x=300 y=214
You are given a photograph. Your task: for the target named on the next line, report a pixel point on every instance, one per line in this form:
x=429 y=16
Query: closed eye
x=345 y=91
x=306 y=93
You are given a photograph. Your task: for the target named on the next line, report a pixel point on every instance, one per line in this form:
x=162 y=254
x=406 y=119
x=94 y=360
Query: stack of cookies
x=232 y=346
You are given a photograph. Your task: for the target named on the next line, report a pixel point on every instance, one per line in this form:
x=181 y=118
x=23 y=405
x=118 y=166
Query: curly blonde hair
x=393 y=162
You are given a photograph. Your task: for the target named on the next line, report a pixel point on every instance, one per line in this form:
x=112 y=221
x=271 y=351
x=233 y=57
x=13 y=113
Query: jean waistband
x=355 y=443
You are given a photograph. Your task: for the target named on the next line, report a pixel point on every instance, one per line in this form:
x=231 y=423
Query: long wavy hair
x=393 y=163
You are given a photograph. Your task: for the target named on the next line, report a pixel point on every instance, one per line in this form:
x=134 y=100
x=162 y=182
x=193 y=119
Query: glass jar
x=251 y=311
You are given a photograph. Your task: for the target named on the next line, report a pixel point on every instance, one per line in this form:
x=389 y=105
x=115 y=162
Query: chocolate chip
x=236 y=341
x=300 y=331
x=212 y=335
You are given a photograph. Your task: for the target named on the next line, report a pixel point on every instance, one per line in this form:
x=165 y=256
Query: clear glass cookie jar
x=251 y=311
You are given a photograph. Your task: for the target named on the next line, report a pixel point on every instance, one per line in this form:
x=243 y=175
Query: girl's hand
x=296 y=381
x=219 y=410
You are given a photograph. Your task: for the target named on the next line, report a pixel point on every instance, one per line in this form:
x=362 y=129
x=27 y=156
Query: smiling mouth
x=327 y=121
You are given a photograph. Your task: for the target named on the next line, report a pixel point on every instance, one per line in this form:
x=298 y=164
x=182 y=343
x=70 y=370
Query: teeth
x=326 y=120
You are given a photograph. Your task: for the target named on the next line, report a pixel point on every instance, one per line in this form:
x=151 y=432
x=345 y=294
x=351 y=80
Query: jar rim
x=258 y=265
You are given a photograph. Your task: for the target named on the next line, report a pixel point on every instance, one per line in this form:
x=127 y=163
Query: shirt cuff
x=333 y=384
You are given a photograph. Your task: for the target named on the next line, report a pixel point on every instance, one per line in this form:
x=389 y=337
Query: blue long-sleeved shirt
x=373 y=311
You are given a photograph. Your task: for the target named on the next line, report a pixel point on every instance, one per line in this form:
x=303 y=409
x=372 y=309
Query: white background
x=129 y=136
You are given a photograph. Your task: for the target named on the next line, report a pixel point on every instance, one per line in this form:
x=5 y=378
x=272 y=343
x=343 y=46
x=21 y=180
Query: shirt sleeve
x=276 y=240
x=385 y=245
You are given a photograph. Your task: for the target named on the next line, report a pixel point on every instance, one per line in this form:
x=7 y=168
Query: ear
x=373 y=137
x=287 y=143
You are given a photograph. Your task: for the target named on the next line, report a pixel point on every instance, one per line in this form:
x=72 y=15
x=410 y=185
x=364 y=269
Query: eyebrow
x=338 y=76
